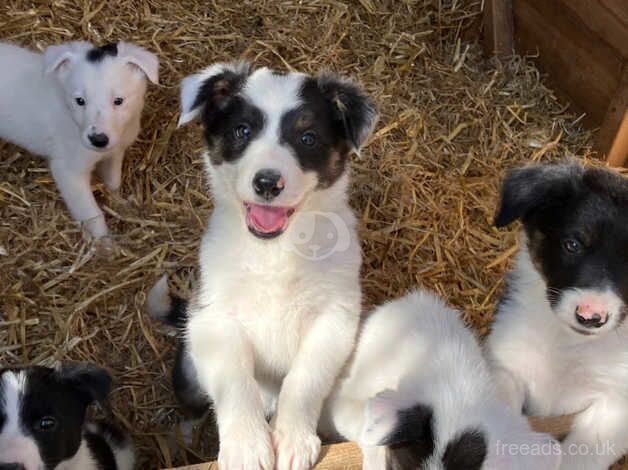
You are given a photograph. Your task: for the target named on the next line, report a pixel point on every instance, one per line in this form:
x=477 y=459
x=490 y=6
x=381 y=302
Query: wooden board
x=581 y=65
x=347 y=456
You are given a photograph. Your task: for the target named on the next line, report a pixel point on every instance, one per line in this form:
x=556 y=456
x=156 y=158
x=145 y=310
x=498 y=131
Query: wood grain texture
x=612 y=138
x=498 y=28
x=580 y=64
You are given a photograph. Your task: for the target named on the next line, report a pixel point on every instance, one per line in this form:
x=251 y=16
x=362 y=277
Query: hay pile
x=425 y=188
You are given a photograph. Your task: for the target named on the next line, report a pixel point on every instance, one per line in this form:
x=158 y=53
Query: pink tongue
x=267 y=219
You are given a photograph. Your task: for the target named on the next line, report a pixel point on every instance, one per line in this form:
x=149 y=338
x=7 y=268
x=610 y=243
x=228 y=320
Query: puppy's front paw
x=296 y=449
x=246 y=448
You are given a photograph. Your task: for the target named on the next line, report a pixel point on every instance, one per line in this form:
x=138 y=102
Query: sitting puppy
x=559 y=345
x=418 y=395
x=78 y=106
x=272 y=322
x=42 y=421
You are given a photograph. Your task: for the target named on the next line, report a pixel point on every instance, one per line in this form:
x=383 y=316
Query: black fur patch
x=466 y=452
x=193 y=400
x=101 y=451
x=97 y=54
x=412 y=441
x=64 y=397
x=562 y=203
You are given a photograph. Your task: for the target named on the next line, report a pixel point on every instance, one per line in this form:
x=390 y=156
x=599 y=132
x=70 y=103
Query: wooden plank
x=498 y=28
x=612 y=138
x=608 y=19
x=580 y=65
x=347 y=456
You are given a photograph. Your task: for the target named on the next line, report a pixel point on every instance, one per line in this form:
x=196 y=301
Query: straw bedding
x=425 y=188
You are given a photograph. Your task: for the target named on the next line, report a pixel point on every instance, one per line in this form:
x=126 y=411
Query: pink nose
x=591 y=314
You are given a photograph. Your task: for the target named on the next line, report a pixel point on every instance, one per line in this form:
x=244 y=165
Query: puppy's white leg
x=509 y=388
x=224 y=364
x=110 y=171
x=373 y=458
x=76 y=190
x=598 y=438
x=321 y=356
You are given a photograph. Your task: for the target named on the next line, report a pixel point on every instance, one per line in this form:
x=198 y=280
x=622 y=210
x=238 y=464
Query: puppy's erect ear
x=528 y=189
x=353 y=109
x=92 y=383
x=213 y=87
x=57 y=58
x=390 y=420
x=139 y=57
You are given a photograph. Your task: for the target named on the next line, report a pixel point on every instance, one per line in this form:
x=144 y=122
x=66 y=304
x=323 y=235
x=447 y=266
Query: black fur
x=560 y=204
x=62 y=395
x=466 y=452
x=177 y=315
x=101 y=451
x=97 y=54
x=194 y=402
x=412 y=441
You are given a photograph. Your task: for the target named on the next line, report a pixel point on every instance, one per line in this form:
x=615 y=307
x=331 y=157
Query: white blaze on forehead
x=274 y=95
x=15 y=447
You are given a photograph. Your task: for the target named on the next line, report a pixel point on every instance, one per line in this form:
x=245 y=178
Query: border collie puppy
x=78 y=106
x=560 y=344
x=42 y=421
x=274 y=318
x=418 y=394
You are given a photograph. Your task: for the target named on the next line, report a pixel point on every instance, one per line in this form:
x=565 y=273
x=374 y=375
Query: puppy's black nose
x=98 y=140
x=268 y=183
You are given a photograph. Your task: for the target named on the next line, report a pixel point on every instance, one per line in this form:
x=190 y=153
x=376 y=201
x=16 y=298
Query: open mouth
x=265 y=221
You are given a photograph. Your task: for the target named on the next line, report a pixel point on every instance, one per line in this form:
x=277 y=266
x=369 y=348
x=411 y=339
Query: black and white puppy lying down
x=43 y=424
x=276 y=311
x=560 y=343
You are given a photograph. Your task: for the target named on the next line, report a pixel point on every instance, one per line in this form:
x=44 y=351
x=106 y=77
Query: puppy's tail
x=165 y=306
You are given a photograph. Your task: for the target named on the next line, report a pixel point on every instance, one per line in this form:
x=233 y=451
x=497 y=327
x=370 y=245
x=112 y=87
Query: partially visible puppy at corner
x=418 y=394
x=275 y=314
x=559 y=342
x=43 y=422
x=78 y=106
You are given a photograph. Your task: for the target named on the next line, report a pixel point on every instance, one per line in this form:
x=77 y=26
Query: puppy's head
x=576 y=221
x=411 y=435
x=273 y=138
x=42 y=411
x=103 y=87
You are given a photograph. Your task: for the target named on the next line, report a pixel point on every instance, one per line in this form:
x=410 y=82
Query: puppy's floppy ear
x=528 y=189
x=353 y=109
x=389 y=419
x=58 y=57
x=92 y=383
x=139 y=57
x=213 y=87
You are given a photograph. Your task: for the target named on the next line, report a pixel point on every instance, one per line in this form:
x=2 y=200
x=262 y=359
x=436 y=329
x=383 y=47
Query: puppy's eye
x=572 y=245
x=242 y=132
x=47 y=423
x=118 y=101
x=308 y=138
x=80 y=100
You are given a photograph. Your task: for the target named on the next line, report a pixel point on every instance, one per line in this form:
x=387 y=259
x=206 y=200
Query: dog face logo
x=316 y=236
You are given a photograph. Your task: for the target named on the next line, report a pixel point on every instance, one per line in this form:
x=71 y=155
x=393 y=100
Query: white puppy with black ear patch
x=274 y=317
x=419 y=395
x=79 y=106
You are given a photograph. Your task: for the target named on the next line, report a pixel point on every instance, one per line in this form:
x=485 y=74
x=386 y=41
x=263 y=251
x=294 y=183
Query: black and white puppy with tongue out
x=276 y=311
x=560 y=341
x=43 y=425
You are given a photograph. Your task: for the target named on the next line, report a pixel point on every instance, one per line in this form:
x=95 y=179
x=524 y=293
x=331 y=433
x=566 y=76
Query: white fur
x=541 y=362
x=269 y=325
x=415 y=350
x=38 y=112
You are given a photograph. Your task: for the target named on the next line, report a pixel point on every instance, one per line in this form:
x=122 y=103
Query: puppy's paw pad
x=296 y=449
